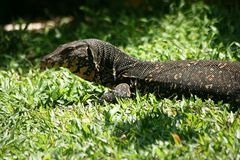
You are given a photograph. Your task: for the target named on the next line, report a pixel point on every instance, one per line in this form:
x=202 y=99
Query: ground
x=54 y=114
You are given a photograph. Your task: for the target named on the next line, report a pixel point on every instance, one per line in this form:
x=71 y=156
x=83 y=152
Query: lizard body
x=103 y=63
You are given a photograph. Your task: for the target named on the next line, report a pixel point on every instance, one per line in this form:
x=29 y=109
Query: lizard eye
x=67 y=51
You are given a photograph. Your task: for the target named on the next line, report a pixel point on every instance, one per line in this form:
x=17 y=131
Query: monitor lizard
x=103 y=63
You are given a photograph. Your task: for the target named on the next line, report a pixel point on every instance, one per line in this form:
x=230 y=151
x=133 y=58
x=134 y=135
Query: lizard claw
x=122 y=90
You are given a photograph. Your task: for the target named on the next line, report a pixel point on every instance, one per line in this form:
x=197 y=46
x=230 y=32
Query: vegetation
x=54 y=114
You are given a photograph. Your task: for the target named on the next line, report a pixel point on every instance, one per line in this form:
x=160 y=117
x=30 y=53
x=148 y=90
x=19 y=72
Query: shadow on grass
x=152 y=128
x=119 y=25
x=228 y=25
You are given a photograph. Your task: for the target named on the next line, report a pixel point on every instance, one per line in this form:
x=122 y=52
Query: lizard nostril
x=45 y=57
x=44 y=62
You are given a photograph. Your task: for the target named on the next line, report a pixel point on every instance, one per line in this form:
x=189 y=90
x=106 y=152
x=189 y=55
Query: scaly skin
x=103 y=63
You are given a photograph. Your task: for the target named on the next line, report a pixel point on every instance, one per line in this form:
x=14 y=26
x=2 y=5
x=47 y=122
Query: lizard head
x=77 y=56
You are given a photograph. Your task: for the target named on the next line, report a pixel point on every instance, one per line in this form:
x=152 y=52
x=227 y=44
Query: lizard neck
x=110 y=62
x=113 y=65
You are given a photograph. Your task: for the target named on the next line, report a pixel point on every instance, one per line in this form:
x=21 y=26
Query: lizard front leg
x=122 y=90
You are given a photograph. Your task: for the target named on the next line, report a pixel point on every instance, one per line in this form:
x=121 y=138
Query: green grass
x=55 y=115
